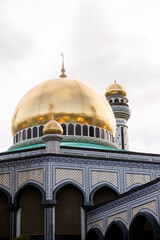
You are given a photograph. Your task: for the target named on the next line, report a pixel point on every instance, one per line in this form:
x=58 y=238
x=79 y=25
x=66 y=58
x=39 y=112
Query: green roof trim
x=69 y=144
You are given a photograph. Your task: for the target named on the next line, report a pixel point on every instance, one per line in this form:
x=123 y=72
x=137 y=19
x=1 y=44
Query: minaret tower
x=116 y=96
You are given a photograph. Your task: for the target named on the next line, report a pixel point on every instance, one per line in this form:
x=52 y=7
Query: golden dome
x=52 y=127
x=66 y=101
x=115 y=88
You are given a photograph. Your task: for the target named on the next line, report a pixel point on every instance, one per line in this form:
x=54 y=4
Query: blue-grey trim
x=9 y=198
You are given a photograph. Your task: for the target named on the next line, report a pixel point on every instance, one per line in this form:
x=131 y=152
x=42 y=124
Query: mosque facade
x=70 y=174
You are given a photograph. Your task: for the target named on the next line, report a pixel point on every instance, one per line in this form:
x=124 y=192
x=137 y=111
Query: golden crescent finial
x=63 y=75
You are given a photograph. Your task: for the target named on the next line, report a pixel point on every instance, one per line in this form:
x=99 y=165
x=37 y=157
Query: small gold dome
x=66 y=101
x=52 y=127
x=115 y=88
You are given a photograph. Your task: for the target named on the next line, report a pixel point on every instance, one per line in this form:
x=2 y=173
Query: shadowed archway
x=116 y=230
x=144 y=226
x=94 y=234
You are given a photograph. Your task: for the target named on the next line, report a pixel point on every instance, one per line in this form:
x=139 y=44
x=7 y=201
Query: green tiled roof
x=69 y=144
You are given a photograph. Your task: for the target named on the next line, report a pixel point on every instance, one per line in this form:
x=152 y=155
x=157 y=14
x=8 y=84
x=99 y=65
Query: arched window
x=97 y=132
x=107 y=135
x=24 y=135
x=64 y=129
x=41 y=131
x=28 y=133
x=78 y=129
x=103 y=194
x=102 y=133
x=19 y=136
x=16 y=137
x=91 y=131
x=110 y=101
x=85 y=130
x=116 y=101
x=34 y=132
x=70 y=129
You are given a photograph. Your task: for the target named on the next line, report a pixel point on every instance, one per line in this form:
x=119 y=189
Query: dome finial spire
x=63 y=75
x=115 y=80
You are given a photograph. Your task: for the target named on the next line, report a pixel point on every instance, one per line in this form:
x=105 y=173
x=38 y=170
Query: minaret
x=116 y=96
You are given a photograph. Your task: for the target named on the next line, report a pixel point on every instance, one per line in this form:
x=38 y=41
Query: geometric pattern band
x=34 y=174
x=102 y=176
x=133 y=178
x=72 y=174
x=122 y=215
x=5 y=180
x=97 y=223
x=151 y=206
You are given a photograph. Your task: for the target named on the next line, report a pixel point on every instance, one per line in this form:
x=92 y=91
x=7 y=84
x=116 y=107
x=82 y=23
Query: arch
x=78 y=129
x=91 y=131
x=102 y=133
x=24 y=135
x=101 y=190
x=34 y=132
x=68 y=213
x=116 y=230
x=64 y=128
x=9 y=198
x=116 y=101
x=28 y=133
x=85 y=130
x=97 y=132
x=70 y=129
x=41 y=131
x=16 y=137
x=94 y=233
x=144 y=226
x=24 y=187
x=69 y=183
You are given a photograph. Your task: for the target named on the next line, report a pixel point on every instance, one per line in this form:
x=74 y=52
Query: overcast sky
x=102 y=40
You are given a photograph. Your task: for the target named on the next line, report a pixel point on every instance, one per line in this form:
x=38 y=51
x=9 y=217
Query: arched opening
x=16 y=137
x=28 y=133
x=94 y=234
x=41 y=131
x=102 y=133
x=34 y=132
x=97 y=132
x=116 y=101
x=4 y=217
x=70 y=129
x=32 y=213
x=78 y=130
x=116 y=230
x=85 y=130
x=24 y=135
x=64 y=129
x=68 y=213
x=91 y=131
x=103 y=194
x=19 y=136
x=144 y=227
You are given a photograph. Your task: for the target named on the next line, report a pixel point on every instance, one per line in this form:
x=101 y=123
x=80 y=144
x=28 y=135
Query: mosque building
x=70 y=175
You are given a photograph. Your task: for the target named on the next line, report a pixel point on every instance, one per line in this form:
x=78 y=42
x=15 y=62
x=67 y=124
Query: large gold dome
x=66 y=101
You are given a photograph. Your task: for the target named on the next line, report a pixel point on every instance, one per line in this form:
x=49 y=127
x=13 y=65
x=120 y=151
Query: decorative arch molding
x=108 y=185
x=120 y=225
x=94 y=232
x=69 y=183
x=24 y=187
x=153 y=221
x=7 y=194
